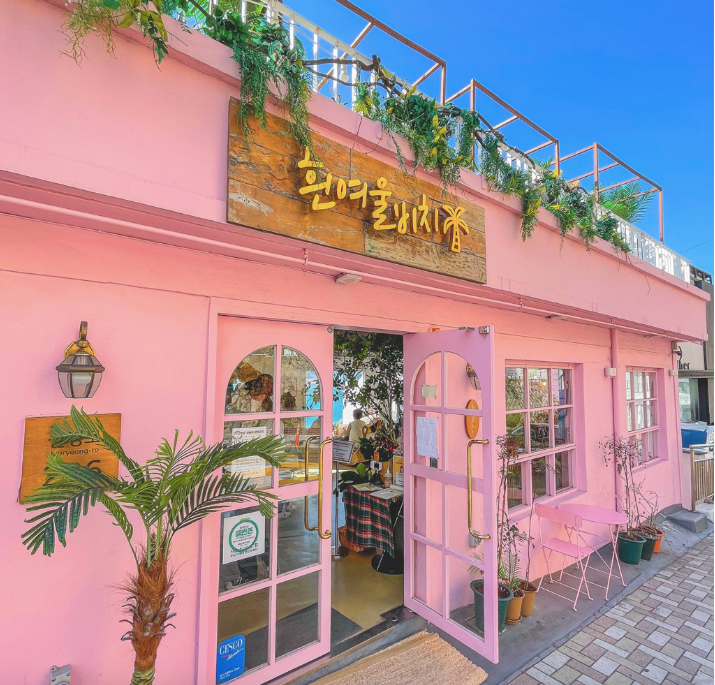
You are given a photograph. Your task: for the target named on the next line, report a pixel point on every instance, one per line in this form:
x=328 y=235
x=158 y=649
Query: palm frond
x=170 y=458
x=85 y=427
x=212 y=494
x=622 y=201
x=72 y=490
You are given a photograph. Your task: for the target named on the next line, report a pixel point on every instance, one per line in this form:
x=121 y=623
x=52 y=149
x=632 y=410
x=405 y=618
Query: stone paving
x=660 y=633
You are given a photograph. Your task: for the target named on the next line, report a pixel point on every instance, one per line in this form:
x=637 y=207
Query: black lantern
x=80 y=373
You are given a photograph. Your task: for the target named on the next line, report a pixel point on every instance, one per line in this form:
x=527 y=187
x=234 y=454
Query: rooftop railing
x=335 y=56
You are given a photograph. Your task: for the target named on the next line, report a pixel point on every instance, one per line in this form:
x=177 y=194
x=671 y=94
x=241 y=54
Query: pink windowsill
x=650 y=464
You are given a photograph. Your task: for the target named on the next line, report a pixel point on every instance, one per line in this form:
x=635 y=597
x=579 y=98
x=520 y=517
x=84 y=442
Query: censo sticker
x=230 y=658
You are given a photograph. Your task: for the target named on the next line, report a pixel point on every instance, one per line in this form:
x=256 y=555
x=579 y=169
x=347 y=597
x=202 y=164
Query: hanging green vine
x=267 y=62
x=265 y=57
x=428 y=129
x=441 y=137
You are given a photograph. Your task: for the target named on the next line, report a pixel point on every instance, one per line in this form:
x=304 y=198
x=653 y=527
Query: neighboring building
x=695 y=364
x=128 y=199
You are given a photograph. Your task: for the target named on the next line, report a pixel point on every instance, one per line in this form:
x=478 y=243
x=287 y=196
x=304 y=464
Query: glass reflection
x=538 y=477
x=300 y=386
x=297 y=613
x=538 y=388
x=638 y=389
x=563 y=470
x=514 y=492
x=247 y=616
x=250 y=388
x=257 y=469
x=515 y=430
x=297 y=547
x=561 y=386
x=296 y=431
x=539 y=430
x=514 y=389
x=562 y=427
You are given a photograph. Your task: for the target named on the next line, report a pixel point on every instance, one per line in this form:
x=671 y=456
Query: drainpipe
x=617 y=411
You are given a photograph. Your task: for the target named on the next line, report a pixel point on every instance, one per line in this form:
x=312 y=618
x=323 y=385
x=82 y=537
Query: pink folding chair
x=578 y=551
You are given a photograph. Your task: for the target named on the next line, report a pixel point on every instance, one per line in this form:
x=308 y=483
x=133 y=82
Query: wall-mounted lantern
x=80 y=373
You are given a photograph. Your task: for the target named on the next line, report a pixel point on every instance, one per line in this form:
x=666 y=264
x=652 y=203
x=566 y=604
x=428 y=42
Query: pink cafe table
x=608 y=517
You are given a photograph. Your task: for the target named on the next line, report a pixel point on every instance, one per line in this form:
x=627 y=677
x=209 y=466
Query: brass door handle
x=472 y=532
x=305 y=499
x=327 y=533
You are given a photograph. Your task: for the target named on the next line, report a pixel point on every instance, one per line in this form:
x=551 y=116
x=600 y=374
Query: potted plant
x=361 y=474
x=623 y=453
x=648 y=527
x=526 y=586
x=508 y=538
x=512 y=537
x=171 y=491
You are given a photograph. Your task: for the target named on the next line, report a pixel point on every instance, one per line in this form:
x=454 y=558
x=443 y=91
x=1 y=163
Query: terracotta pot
x=513 y=610
x=659 y=533
x=527 y=604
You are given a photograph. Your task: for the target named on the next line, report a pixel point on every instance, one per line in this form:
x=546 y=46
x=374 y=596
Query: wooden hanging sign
x=471 y=423
x=38 y=446
x=349 y=200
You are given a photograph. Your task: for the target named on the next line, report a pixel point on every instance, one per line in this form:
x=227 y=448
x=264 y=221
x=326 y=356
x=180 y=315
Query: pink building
x=113 y=210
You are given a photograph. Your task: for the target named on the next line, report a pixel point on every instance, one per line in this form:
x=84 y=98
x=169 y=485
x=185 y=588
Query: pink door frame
x=261 y=333
x=477 y=349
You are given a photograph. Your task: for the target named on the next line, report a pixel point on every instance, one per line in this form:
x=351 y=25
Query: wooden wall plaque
x=87 y=452
x=264 y=180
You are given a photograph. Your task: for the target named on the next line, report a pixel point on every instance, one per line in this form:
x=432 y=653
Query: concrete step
x=693 y=521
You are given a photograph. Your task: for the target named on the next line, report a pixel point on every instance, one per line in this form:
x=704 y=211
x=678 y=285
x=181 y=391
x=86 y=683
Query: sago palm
x=177 y=487
x=626 y=201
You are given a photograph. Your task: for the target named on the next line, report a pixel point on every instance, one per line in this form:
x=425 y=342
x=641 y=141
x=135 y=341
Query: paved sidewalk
x=661 y=633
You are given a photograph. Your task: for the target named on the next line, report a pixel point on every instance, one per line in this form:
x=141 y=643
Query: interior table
x=371 y=521
x=608 y=517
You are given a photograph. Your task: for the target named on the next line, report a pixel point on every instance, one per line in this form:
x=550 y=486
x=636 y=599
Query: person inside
x=355 y=427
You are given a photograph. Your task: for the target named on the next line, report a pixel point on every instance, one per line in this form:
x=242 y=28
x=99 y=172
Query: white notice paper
x=243 y=536
x=427 y=437
x=249 y=467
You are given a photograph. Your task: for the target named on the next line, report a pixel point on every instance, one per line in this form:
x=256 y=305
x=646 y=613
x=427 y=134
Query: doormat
x=299 y=629
x=422 y=658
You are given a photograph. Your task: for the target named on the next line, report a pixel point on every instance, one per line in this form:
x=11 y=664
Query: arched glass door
x=272 y=576
x=450 y=522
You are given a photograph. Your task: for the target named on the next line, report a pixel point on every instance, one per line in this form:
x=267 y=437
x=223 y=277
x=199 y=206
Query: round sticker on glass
x=244 y=538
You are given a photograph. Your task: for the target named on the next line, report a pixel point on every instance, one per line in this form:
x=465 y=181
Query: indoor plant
x=177 y=487
x=368 y=373
x=623 y=453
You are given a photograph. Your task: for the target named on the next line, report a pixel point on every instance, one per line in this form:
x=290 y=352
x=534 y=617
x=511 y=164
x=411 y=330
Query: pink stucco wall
x=125 y=129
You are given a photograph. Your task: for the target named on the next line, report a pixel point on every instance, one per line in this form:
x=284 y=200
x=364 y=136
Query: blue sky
x=636 y=77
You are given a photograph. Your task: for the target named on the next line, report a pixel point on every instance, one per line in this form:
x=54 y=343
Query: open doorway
x=368 y=554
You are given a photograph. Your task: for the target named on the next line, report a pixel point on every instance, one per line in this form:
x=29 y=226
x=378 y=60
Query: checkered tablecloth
x=368 y=520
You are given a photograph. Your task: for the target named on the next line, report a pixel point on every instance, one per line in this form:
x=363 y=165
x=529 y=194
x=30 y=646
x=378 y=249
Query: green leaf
x=127 y=20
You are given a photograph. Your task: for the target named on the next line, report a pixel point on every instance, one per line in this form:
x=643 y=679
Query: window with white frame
x=642 y=412
x=539 y=416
